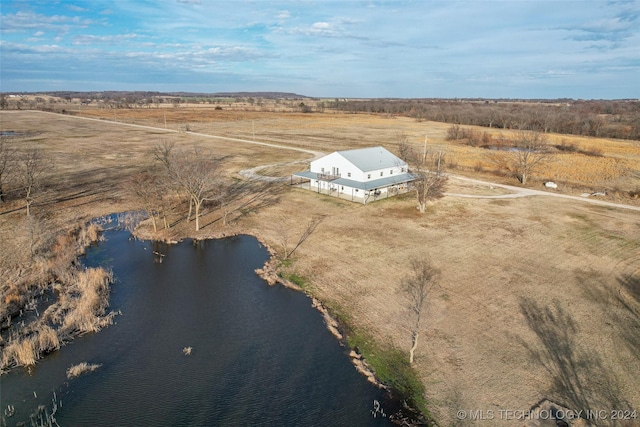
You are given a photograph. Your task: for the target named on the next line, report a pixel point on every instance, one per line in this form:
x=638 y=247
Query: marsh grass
x=80 y=306
x=83 y=309
x=25 y=351
x=20 y=353
x=81 y=368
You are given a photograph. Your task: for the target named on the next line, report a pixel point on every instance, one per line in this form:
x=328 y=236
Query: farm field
x=539 y=297
x=613 y=164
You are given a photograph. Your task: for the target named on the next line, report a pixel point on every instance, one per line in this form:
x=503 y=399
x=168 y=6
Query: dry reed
x=27 y=350
x=84 y=311
x=20 y=353
x=81 y=368
x=82 y=298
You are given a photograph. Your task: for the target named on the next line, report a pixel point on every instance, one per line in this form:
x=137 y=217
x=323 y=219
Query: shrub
x=454 y=133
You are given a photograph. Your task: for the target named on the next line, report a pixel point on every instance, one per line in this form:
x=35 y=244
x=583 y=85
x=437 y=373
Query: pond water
x=261 y=355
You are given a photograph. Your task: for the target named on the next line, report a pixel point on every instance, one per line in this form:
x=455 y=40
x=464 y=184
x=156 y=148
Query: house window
x=368 y=176
x=391 y=172
x=322 y=170
x=381 y=173
x=349 y=174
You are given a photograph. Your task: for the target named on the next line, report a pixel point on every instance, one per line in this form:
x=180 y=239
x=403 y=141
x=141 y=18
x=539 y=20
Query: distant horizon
x=299 y=95
x=364 y=49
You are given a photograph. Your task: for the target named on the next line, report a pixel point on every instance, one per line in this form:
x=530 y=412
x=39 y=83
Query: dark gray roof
x=376 y=183
x=307 y=174
x=372 y=158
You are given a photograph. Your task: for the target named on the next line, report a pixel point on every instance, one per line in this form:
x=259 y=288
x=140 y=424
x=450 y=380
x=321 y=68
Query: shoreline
x=269 y=273
x=404 y=414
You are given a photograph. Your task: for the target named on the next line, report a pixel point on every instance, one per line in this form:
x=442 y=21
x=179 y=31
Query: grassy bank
x=391 y=367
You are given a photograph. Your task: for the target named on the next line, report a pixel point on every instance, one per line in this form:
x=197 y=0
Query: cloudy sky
x=410 y=49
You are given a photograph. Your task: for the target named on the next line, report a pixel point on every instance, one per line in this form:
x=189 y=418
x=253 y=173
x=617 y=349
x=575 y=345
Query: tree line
x=597 y=118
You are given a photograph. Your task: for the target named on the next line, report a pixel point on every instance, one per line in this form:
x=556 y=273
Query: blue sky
x=407 y=49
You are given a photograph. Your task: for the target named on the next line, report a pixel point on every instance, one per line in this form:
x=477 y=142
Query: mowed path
x=253 y=172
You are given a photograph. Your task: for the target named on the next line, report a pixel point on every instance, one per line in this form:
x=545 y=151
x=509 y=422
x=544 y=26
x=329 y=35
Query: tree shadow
x=620 y=305
x=580 y=379
x=243 y=197
x=628 y=298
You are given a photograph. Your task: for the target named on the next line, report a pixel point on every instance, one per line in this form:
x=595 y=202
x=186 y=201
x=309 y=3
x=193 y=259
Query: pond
x=261 y=355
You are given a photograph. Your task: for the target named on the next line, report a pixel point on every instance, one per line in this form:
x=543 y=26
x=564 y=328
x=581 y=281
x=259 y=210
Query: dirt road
x=253 y=173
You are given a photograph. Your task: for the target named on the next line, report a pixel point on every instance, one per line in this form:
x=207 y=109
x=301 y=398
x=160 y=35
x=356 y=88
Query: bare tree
x=163 y=153
x=427 y=169
x=143 y=186
x=194 y=173
x=198 y=174
x=7 y=158
x=31 y=176
x=530 y=151
x=418 y=286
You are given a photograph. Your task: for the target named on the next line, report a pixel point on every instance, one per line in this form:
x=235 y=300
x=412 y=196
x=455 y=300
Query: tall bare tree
x=163 y=153
x=530 y=151
x=7 y=163
x=428 y=170
x=31 y=176
x=144 y=187
x=197 y=174
x=418 y=287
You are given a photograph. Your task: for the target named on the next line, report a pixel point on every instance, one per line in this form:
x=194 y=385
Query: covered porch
x=354 y=191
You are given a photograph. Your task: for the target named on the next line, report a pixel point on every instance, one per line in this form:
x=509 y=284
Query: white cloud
x=87 y=39
x=75 y=8
x=284 y=14
x=28 y=21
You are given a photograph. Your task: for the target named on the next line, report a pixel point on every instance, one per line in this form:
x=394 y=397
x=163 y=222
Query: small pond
x=261 y=355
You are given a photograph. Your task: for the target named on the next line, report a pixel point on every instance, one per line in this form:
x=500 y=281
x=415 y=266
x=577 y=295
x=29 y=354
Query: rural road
x=526 y=192
x=517 y=192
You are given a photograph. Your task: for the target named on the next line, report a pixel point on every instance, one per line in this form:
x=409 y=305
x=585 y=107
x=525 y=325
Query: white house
x=361 y=175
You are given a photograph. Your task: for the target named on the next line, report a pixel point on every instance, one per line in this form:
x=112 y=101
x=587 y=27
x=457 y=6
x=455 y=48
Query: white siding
x=334 y=161
x=387 y=172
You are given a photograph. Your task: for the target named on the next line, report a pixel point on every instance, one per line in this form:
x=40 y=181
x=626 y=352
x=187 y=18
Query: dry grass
x=83 y=306
x=25 y=351
x=82 y=295
x=501 y=260
x=492 y=254
x=81 y=368
x=20 y=353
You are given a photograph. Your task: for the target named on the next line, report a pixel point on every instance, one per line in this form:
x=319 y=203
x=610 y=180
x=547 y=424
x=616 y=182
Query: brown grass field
x=539 y=297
